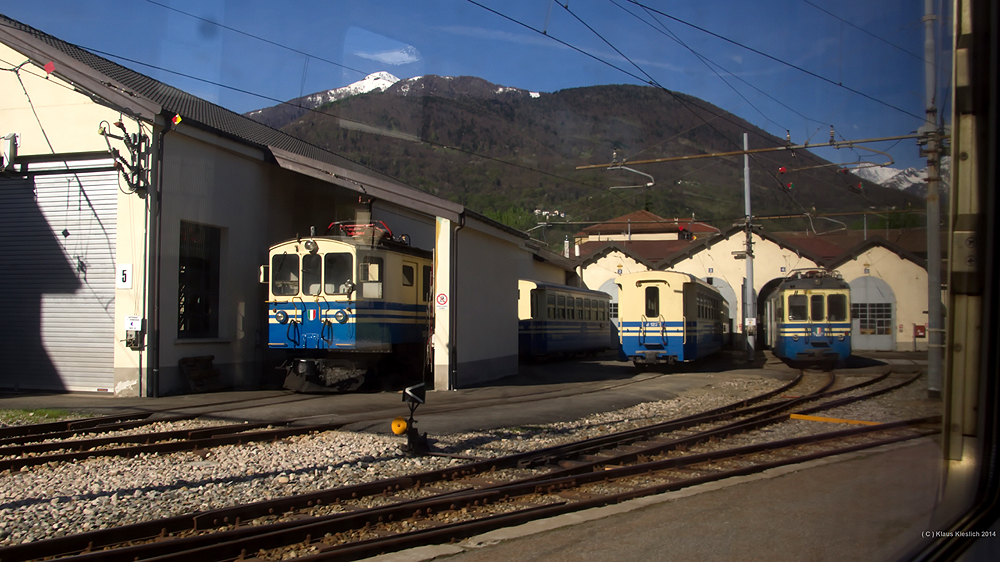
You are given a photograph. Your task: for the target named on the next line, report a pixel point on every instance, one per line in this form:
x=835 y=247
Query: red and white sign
x=442 y=300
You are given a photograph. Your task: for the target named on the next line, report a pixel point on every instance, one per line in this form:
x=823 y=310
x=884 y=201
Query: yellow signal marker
x=832 y=420
x=399 y=426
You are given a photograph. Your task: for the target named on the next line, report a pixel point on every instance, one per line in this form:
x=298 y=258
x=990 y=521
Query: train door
x=873 y=314
x=410 y=295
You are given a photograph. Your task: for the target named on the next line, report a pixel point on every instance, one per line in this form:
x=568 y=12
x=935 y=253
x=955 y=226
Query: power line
x=780 y=61
x=865 y=31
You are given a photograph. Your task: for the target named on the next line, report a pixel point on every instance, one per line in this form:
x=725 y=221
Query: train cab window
x=550 y=305
x=408 y=276
x=312 y=274
x=798 y=308
x=836 y=308
x=427 y=286
x=338 y=271
x=285 y=275
x=817 y=304
x=653 y=302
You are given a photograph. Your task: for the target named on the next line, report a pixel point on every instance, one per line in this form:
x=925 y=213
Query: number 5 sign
x=123 y=276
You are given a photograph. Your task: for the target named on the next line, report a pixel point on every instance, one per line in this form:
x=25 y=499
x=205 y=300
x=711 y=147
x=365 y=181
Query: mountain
x=505 y=152
x=280 y=115
x=910 y=180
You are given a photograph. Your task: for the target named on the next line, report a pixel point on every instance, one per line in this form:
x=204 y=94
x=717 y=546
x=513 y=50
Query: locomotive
x=669 y=317
x=807 y=318
x=350 y=305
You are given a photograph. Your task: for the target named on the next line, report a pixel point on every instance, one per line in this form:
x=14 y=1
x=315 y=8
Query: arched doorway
x=873 y=314
x=611 y=288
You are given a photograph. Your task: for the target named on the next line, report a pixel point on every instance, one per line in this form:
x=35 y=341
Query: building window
x=874 y=318
x=198 y=281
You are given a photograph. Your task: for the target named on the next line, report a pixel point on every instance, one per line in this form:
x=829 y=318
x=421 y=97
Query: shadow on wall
x=32 y=264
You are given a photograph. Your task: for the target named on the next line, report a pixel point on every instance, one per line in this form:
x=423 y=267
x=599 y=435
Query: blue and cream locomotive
x=348 y=305
x=669 y=317
x=558 y=319
x=807 y=318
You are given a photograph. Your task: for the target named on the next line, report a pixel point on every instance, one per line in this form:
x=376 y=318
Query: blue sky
x=795 y=65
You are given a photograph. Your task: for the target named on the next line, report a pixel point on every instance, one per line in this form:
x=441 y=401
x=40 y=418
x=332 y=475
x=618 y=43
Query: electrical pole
x=749 y=294
x=935 y=321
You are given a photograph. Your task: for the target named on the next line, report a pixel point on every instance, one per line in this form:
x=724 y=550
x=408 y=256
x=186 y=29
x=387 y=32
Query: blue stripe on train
x=372 y=325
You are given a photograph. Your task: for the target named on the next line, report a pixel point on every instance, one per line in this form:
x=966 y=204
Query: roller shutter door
x=57 y=264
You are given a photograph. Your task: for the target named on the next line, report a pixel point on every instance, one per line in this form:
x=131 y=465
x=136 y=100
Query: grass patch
x=30 y=417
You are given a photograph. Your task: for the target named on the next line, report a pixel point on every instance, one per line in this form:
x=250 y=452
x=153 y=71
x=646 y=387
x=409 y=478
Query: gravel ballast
x=60 y=499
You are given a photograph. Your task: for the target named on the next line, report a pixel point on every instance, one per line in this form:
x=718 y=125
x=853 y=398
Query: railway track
x=35 y=445
x=447 y=504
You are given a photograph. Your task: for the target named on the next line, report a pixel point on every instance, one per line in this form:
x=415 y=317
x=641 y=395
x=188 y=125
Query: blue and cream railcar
x=558 y=319
x=348 y=307
x=669 y=317
x=807 y=318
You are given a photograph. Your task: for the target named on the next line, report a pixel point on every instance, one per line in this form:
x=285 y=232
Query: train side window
x=579 y=309
x=285 y=275
x=837 y=307
x=818 y=305
x=312 y=274
x=798 y=308
x=338 y=271
x=408 y=276
x=561 y=305
x=427 y=284
x=653 y=302
x=586 y=309
x=550 y=305
x=370 y=277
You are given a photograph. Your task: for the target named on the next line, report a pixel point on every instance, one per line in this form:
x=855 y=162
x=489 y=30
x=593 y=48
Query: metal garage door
x=873 y=314
x=57 y=263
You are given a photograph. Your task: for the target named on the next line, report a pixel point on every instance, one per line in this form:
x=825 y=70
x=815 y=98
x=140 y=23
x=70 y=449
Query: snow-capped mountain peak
x=911 y=180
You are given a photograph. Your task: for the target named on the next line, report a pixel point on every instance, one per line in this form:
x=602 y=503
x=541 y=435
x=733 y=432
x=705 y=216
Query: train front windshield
x=318 y=274
x=818 y=308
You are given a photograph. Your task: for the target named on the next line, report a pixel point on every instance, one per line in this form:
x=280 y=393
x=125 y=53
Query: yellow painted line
x=832 y=420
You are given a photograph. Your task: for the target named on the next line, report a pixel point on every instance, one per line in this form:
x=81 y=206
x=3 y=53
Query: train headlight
x=281 y=316
x=311 y=246
x=795 y=338
x=340 y=316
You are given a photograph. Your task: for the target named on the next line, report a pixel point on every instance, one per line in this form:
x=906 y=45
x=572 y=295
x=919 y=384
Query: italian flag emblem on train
x=818 y=331
x=312 y=314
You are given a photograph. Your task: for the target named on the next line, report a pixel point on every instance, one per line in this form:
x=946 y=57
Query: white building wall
x=485 y=301
x=909 y=283
x=607 y=268
x=50 y=117
x=770 y=261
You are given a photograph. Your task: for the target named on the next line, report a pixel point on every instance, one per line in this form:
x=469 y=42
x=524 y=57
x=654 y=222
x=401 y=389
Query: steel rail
x=151 y=530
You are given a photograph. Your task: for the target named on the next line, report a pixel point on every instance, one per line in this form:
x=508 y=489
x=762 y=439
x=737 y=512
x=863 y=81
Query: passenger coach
x=559 y=319
x=668 y=317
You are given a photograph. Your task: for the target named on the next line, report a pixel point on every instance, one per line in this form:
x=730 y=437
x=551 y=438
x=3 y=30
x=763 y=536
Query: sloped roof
x=645 y=222
x=147 y=97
